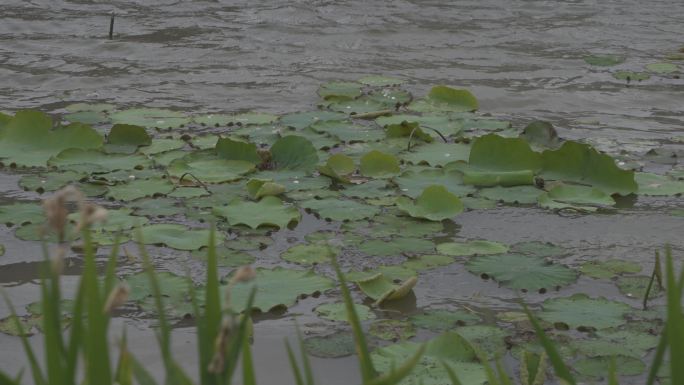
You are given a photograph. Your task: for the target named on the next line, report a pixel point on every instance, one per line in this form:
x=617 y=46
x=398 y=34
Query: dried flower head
x=243 y=274
x=91 y=214
x=56 y=209
x=217 y=361
x=117 y=297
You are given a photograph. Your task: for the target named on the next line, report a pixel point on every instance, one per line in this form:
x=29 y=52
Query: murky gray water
x=522 y=59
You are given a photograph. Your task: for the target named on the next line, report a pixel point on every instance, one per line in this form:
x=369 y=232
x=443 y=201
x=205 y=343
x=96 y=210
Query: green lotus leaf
x=140 y=188
x=336 y=345
x=439 y=122
x=117 y=219
x=377 y=188
x=258 y=188
x=156 y=207
x=425 y=262
x=97 y=161
x=338 y=311
x=517 y=194
x=541 y=133
x=662 y=68
x=177 y=236
x=604 y=60
x=439 y=320
x=443 y=98
x=539 y=249
x=269 y=211
x=340 y=90
x=162 y=145
x=340 y=210
x=580 y=310
x=243 y=119
x=581 y=163
x=476 y=125
x=380 y=81
x=21 y=213
x=299 y=120
x=489 y=339
x=390 y=98
x=412 y=183
x=397 y=246
x=448 y=348
x=546 y=202
x=187 y=192
x=2 y=249
x=49 y=181
x=208 y=168
x=392 y=330
x=278 y=287
x=636 y=287
x=226 y=257
x=599 y=366
x=438 y=154
x=310 y=254
x=631 y=76
x=476 y=247
x=609 y=268
x=381 y=289
x=294 y=153
x=658 y=185
x=88 y=113
x=28 y=139
x=377 y=164
x=435 y=203
x=407 y=130
x=338 y=167
x=150 y=117
x=230 y=149
x=390 y=225
x=319 y=141
x=522 y=272
x=579 y=195
x=612 y=343
x=175 y=290
x=362 y=105
x=127 y=138
x=496 y=153
x=347 y=131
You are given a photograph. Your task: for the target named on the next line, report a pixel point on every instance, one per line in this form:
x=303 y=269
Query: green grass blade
x=110 y=271
x=76 y=336
x=6 y=380
x=452 y=375
x=559 y=367
x=52 y=322
x=367 y=370
x=308 y=372
x=124 y=369
x=504 y=378
x=397 y=374
x=211 y=319
x=293 y=363
x=37 y=373
x=248 y=376
x=142 y=376
x=675 y=322
x=658 y=358
x=235 y=345
x=612 y=373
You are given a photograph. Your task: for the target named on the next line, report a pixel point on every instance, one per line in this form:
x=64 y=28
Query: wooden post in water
x=111 y=27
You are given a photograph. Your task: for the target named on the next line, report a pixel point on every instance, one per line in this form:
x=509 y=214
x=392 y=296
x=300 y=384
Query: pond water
x=522 y=59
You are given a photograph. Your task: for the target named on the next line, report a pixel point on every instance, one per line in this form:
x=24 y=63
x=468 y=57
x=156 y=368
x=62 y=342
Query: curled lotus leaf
x=541 y=133
x=127 y=138
x=269 y=211
x=338 y=167
x=496 y=153
x=259 y=188
x=378 y=164
x=381 y=289
x=435 y=203
x=229 y=149
x=294 y=152
x=28 y=139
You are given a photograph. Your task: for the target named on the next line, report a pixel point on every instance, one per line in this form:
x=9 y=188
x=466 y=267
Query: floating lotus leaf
x=363 y=105
x=662 y=68
x=390 y=97
x=88 y=113
x=546 y=202
x=407 y=130
x=609 y=268
x=117 y=219
x=150 y=117
x=338 y=167
x=539 y=249
x=517 y=194
x=336 y=345
x=438 y=154
x=311 y=254
x=97 y=161
x=166 y=158
x=622 y=342
x=581 y=163
x=269 y=211
x=439 y=122
x=278 y=287
x=294 y=180
x=299 y=120
x=448 y=348
x=348 y=132
x=21 y=213
x=340 y=210
x=294 y=153
x=441 y=320
x=486 y=125
x=319 y=141
x=497 y=160
x=541 y=133
x=412 y=183
x=397 y=246
x=338 y=311
x=208 y=168
x=390 y=225
x=188 y=192
x=489 y=339
x=175 y=290
x=599 y=366
x=443 y=98
x=435 y=204
x=156 y=207
x=126 y=138
x=579 y=195
x=654 y=184
x=381 y=289
x=140 y=188
x=258 y=188
x=380 y=81
x=160 y=145
x=631 y=76
x=425 y=262
x=28 y=139
x=177 y=236
x=604 y=60
x=377 y=188
x=340 y=90
x=476 y=247
x=522 y=272
x=392 y=330
x=226 y=257
x=580 y=310
x=244 y=119
x=230 y=149
x=636 y=287
x=49 y=182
